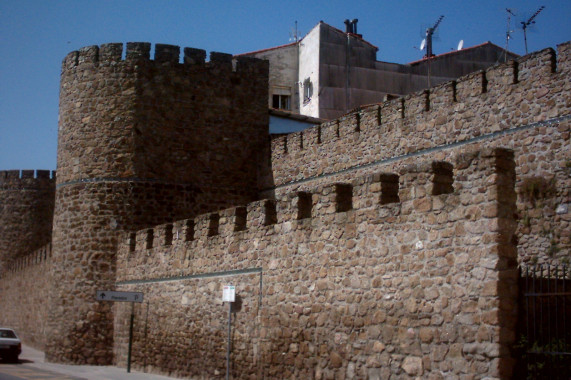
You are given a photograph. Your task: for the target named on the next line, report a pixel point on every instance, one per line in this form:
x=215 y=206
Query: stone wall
x=142 y=142
x=524 y=105
x=409 y=274
x=26 y=210
x=24 y=296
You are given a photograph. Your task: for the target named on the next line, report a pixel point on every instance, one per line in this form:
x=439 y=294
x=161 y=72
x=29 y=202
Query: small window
x=307 y=90
x=281 y=102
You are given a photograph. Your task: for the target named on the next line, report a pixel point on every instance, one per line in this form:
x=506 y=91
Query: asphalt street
x=32 y=365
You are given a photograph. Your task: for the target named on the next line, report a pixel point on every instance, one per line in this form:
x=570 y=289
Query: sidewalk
x=34 y=358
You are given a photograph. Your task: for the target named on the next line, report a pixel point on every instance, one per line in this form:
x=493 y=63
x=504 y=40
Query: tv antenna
x=293 y=34
x=508 y=32
x=429 y=34
x=530 y=21
x=460 y=45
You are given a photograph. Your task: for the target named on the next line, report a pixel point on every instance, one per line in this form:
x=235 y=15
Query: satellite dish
x=423 y=44
x=460 y=45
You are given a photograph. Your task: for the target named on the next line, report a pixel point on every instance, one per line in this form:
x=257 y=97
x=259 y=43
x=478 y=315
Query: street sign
x=112 y=296
x=229 y=293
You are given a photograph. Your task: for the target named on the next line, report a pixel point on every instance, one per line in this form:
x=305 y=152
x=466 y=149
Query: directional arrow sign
x=112 y=296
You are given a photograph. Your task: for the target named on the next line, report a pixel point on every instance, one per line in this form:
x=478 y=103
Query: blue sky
x=35 y=35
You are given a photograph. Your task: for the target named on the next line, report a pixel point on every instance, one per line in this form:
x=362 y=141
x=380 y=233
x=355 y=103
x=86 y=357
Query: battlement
x=112 y=53
x=26 y=177
x=40 y=255
x=442 y=115
x=421 y=188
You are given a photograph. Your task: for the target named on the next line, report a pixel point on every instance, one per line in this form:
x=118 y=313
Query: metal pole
x=130 y=337
x=229 y=340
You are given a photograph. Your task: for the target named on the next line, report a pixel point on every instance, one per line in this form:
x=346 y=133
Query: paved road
x=24 y=371
x=32 y=366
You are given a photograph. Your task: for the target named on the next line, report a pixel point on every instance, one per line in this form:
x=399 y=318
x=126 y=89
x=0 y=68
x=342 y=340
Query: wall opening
x=389 y=188
x=132 y=241
x=168 y=234
x=343 y=197
x=189 y=233
x=241 y=218
x=304 y=205
x=150 y=238
x=443 y=179
x=270 y=212
x=213 y=224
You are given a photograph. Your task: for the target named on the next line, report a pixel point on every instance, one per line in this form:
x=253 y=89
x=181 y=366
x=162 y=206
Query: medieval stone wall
x=24 y=296
x=524 y=105
x=26 y=210
x=142 y=142
x=411 y=274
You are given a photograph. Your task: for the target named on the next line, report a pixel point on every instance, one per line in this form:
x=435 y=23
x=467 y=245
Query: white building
x=330 y=72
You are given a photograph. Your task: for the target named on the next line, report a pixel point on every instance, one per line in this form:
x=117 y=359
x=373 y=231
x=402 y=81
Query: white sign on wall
x=229 y=293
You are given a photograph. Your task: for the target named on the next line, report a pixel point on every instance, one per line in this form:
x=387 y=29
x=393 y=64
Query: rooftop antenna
x=429 y=34
x=460 y=45
x=508 y=32
x=530 y=21
x=293 y=35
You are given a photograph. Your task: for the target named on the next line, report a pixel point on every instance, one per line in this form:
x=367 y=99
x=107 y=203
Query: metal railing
x=544 y=323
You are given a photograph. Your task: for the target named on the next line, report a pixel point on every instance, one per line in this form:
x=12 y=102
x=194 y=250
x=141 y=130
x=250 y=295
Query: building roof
x=449 y=53
x=295 y=116
x=268 y=49
x=359 y=36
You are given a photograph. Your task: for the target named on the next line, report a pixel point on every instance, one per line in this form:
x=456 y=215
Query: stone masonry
x=141 y=142
x=348 y=282
x=381 y=244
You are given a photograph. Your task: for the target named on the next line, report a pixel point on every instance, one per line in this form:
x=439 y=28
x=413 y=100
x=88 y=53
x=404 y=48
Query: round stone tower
x=142 y=142
x=26 y=212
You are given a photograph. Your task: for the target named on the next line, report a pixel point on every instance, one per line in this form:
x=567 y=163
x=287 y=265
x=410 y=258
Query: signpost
x=114 y=296
x=229 y=295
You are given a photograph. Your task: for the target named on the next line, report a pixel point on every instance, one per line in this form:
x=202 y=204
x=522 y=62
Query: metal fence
x=544 y=324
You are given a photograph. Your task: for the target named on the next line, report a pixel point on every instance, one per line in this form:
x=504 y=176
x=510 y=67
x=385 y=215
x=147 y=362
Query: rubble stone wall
x=523 y=105
x=24 y=296
x=26 y=209
x=141 y=142
x=408 y=274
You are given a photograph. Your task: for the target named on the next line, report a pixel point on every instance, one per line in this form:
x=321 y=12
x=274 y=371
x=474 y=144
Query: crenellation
x=261 y=214
x=415 y=104
x=312 y=136
x=27 y=174
x=370 y=118
x=88 y=55
x=442 y=98
x=329 y=131
x=232 y=220
x=501 y=77
x=138 y=51
x=534 y=67
x=194 y=56
x=110 y=52
x=470 y=86
x=564 y=58
x=221 y=61
x=391 y=112
x=70 y=61
x=167 y=53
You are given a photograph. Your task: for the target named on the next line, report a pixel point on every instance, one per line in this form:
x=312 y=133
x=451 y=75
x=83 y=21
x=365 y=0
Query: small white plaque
x=229 y=293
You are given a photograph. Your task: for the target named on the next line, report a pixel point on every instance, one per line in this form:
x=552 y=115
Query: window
x=281 y=102
x=307 y=90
